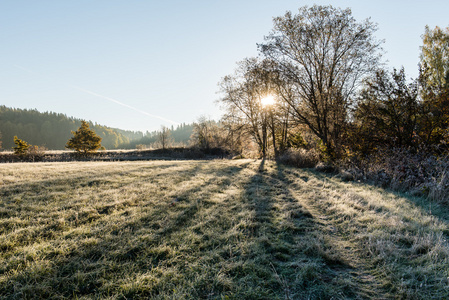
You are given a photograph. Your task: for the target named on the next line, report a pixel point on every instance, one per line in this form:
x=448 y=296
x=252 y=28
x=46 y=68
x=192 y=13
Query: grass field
x=220 y=229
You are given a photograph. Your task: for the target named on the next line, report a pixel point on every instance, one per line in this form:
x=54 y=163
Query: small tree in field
x=164 y=138
x=84 y=140
x=21 y=148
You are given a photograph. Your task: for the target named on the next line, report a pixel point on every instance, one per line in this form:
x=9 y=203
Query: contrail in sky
x=24 y=69
x=108 y=98
x=123 y=104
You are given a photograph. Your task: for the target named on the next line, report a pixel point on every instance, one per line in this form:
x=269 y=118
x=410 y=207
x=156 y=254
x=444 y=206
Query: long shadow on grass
x=114 y=251
x=93 y=181
x=189 y=202
x=413 y=239
x=32 y=196
x=289 y=258
x=74 y=181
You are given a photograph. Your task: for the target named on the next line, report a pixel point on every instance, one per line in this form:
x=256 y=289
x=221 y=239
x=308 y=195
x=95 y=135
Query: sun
x=267 y=100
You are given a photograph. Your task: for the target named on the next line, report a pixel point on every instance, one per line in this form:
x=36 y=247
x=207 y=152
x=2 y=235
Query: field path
x=343 y=243
x=221 y=229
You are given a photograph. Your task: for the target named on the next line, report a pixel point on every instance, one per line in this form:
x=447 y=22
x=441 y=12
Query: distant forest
x=53 y=130
x=179 y=136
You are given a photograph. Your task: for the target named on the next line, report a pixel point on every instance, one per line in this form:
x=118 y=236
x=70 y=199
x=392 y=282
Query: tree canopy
x=388 y=111
x=21 y=147
x=313 y=63
x=325 y=54
x=435 y=56
x=84 y=140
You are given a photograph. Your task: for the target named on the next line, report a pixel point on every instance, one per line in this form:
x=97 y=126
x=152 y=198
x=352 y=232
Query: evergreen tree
x=21 y=148
x=84 y=140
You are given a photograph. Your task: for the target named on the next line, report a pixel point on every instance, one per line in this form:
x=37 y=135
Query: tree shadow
x=139 y=242
x=281 y=252
x=392 y=230
x=288 y=242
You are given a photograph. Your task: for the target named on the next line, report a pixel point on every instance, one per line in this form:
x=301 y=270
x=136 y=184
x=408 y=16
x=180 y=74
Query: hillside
x=53 y=130
x=241 y=229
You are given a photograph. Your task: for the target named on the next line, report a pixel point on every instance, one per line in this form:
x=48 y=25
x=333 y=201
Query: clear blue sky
x=138 y=65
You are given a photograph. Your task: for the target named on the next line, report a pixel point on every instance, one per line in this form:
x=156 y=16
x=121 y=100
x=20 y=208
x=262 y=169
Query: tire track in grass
x=287 y=248
x=342 y=255
x=379 y=233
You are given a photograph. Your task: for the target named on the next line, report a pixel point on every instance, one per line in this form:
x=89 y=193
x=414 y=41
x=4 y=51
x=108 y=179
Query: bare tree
x=323 y=54
x=242 y=94
x=164 y=138
x=203 y=133
x=208 y=134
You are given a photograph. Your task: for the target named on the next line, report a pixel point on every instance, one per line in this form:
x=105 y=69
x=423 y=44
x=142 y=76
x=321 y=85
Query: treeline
x=176 y=136
x=318 y=94
x=330 y=92
x=53 y=130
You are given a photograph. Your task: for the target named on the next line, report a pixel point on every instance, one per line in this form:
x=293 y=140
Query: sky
x=139 y=65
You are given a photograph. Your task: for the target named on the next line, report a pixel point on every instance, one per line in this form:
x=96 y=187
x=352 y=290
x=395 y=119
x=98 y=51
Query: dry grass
x=240 y=229
x=414 y=171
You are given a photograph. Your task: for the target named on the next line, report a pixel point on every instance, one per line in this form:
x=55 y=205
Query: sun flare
x=267 y=100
